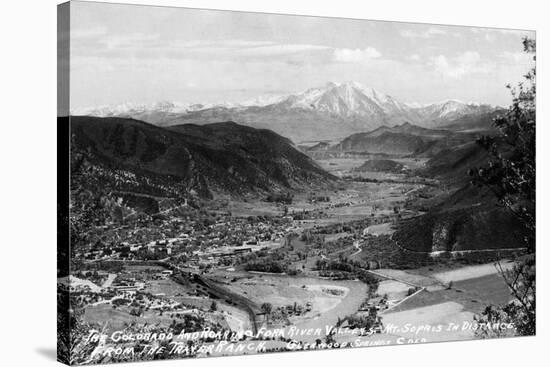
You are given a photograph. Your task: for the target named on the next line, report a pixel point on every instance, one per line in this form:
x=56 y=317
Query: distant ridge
x=331 y=111
x=404 y=139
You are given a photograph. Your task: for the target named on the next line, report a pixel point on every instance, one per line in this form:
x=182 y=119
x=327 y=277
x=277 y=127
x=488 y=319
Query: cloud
x=133 y=41
x=153 y=46
x=490 y=37
x=516 y=32
x=356 y=55
x=519 y=58
x=282 y=49
x=428 y=33
x=236 y=49
x=491 y=34
x=234 y=43
x=415 y=57
x=467 y=63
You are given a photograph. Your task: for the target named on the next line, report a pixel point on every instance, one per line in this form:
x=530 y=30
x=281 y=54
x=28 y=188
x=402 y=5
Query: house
x=166 y=273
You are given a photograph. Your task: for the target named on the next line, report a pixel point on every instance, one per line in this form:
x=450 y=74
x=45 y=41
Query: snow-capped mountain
x=124 y=109
x=343 y=99
x=263 y=100
x=353 y=100
x=347 y=99
x=130 y=109
x=451 y=109
x=316 y=113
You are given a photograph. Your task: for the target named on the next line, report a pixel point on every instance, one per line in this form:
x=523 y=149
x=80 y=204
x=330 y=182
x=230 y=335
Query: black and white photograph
x=234 y=182
x=244 y=183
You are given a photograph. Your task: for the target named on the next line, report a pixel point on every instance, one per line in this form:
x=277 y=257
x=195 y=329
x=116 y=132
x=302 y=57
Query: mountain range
x=127 y=155
x=332 y=111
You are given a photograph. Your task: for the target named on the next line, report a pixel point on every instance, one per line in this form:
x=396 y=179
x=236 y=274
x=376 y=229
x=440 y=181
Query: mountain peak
x=347 y=99
x=452 y=102
x=346 y=84
x=405 y=124
x=353 y=85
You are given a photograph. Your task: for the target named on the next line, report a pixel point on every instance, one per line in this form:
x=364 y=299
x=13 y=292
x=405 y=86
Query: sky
x=143 y=54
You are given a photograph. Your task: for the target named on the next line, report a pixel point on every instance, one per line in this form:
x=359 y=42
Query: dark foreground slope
x=129 y=155
x=467 y=217
x=451 y=165
x=457 y=227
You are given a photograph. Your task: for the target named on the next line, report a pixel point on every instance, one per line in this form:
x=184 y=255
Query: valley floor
x=417 y=299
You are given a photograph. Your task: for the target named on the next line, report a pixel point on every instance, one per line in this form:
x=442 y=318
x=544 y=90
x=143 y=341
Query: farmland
x=305 y=302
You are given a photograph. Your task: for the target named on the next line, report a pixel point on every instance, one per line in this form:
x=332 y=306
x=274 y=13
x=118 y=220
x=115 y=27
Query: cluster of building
x=204 y=238
x=123 y=289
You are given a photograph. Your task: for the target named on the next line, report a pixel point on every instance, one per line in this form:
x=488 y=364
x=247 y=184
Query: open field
x=254 y=208
x=469 y=272
x=338 y=166
x=409 y=277
x=430 y=318
x=473 y=286
x=483 y=291
x=395 y=290
x=106 y=314
x=378 y=229
x=118 y=319
x=346 y=305
x=473 y=289
x=358 y=200
x=473 y=294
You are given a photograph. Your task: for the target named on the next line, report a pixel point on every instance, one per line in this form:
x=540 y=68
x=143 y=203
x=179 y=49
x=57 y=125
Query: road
x=110 y=279
x=357 y=245
x=460 y=252
x=219 y=292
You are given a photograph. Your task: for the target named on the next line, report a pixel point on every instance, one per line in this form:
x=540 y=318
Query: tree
x=329 y=338
x=510 y=175
x=511 y=171
x=213 y=306
x=73 y=346
x=267 y=308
